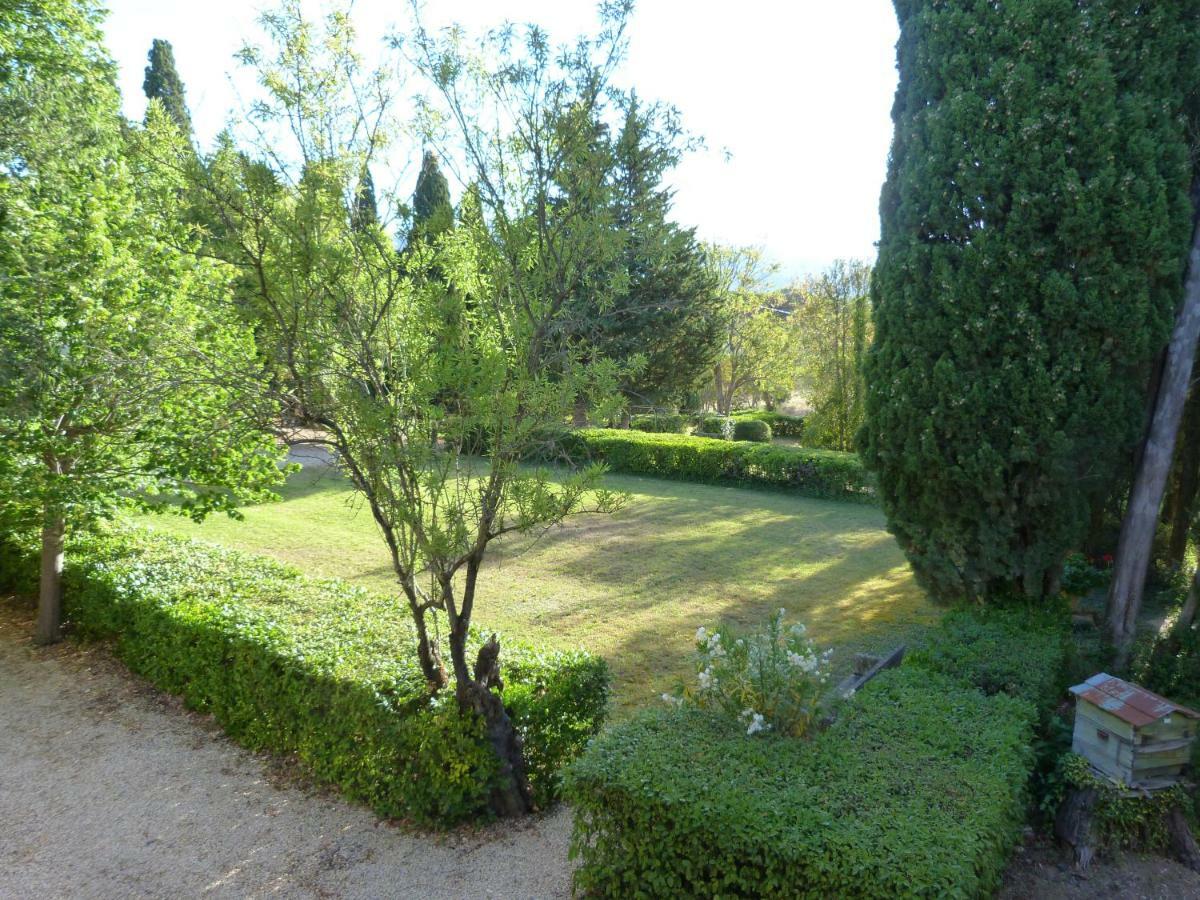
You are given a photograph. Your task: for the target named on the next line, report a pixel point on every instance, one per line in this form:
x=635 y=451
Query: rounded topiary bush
x=716 y=426
x=751 y=430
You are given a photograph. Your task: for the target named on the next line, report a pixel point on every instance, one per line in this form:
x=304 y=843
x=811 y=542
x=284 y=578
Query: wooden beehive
x=1130 y=734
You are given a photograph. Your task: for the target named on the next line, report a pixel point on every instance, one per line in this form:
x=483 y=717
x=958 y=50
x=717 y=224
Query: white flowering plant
x=769 y=680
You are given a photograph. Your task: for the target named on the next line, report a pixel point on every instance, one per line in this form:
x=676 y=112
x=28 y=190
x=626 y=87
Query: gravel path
x=109 y=788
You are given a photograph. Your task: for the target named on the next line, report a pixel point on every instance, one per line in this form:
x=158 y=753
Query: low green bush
x=720 y=427
x=815 y=473
x=1022 y=652
x=751 y=430
x=918 y=790
x=781 y=425
x=321 y=669
x=662 y=423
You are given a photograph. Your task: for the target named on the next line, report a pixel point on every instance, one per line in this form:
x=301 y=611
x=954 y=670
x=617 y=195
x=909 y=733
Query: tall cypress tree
x=432 y=212
x=163 y=83
x=1035 y=222
x=366 y=211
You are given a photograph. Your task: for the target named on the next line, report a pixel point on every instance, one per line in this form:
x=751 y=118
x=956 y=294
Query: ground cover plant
x=678 y=556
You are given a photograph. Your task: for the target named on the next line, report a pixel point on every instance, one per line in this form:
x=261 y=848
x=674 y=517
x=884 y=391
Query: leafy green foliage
x=813 y=473
x=767 y=680
x=917 y=790
x=716 y=426
x=1020 y=652
x=1120 y=820
x=782 y=425
x=1035 y=222
x=318 y=668
x=833 y=329
x=1172 y=666
x=123 y=378
x=662 y=423
x=754 y=430
x=758 y=353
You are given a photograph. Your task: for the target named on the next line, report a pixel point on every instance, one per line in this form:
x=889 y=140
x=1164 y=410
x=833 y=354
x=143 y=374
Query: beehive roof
x=1128 y=702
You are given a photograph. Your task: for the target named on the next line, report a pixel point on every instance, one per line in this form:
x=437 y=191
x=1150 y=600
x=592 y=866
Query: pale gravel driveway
x=109 y=789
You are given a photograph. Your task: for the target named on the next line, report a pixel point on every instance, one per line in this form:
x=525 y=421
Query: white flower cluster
x=706 y=679
x=755 y=722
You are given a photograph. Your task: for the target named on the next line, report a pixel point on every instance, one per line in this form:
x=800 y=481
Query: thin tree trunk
x=579 y=415
x=1141 y=516
x=49 y=620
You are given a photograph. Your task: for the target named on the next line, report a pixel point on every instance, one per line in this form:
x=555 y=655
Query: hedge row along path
x=113 y=790
x=109 y=789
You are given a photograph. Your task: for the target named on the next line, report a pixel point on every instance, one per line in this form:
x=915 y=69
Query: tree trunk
x=429 y=656
x=1183 y=845
x=579 y=415
x=1073 y=824
x=49 y=619
x=511 y=795
x=1187 y=481
x=1141 y=516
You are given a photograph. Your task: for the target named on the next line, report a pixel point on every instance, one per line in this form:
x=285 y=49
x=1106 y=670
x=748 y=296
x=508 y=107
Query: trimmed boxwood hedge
x=918 y=790
x=318 y=668
x=664 y=423
x=814 y=473
x=751 y=430
x=781 y=425
x=1022 y=652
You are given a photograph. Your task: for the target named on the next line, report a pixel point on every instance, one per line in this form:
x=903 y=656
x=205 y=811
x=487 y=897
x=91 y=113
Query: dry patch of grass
x=633 y=586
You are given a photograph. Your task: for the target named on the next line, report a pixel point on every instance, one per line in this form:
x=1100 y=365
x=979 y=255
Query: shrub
x=814 y=473
x=1021 y=652
x=716 y=426
x=751 y=430
x=321 y=669
x=663 y=423
x=917 y=790
x=781 y=425
x=768 y=681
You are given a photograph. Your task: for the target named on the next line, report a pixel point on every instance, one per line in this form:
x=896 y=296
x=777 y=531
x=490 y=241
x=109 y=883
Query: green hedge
x=318 y=668
x=664 y=423
x=918 y=790
x=751 y=430
x=1022 y=652
x=781 y=425
x=814 y=473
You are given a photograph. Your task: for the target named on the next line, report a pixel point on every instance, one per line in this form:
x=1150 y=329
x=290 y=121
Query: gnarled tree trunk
x=511 y=795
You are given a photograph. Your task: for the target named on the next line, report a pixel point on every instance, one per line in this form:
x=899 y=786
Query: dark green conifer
x=1035 y=221
x=162 y=83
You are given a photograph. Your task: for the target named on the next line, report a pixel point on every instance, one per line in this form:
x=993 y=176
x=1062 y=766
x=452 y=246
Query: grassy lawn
x=633 y=586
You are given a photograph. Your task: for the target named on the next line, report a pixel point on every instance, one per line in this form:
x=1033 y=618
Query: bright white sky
x=796 y=93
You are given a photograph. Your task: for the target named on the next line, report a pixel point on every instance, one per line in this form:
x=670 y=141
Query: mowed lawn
x=633 y=586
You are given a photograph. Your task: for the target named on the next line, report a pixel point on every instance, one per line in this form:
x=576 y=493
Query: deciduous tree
x=120 y=381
